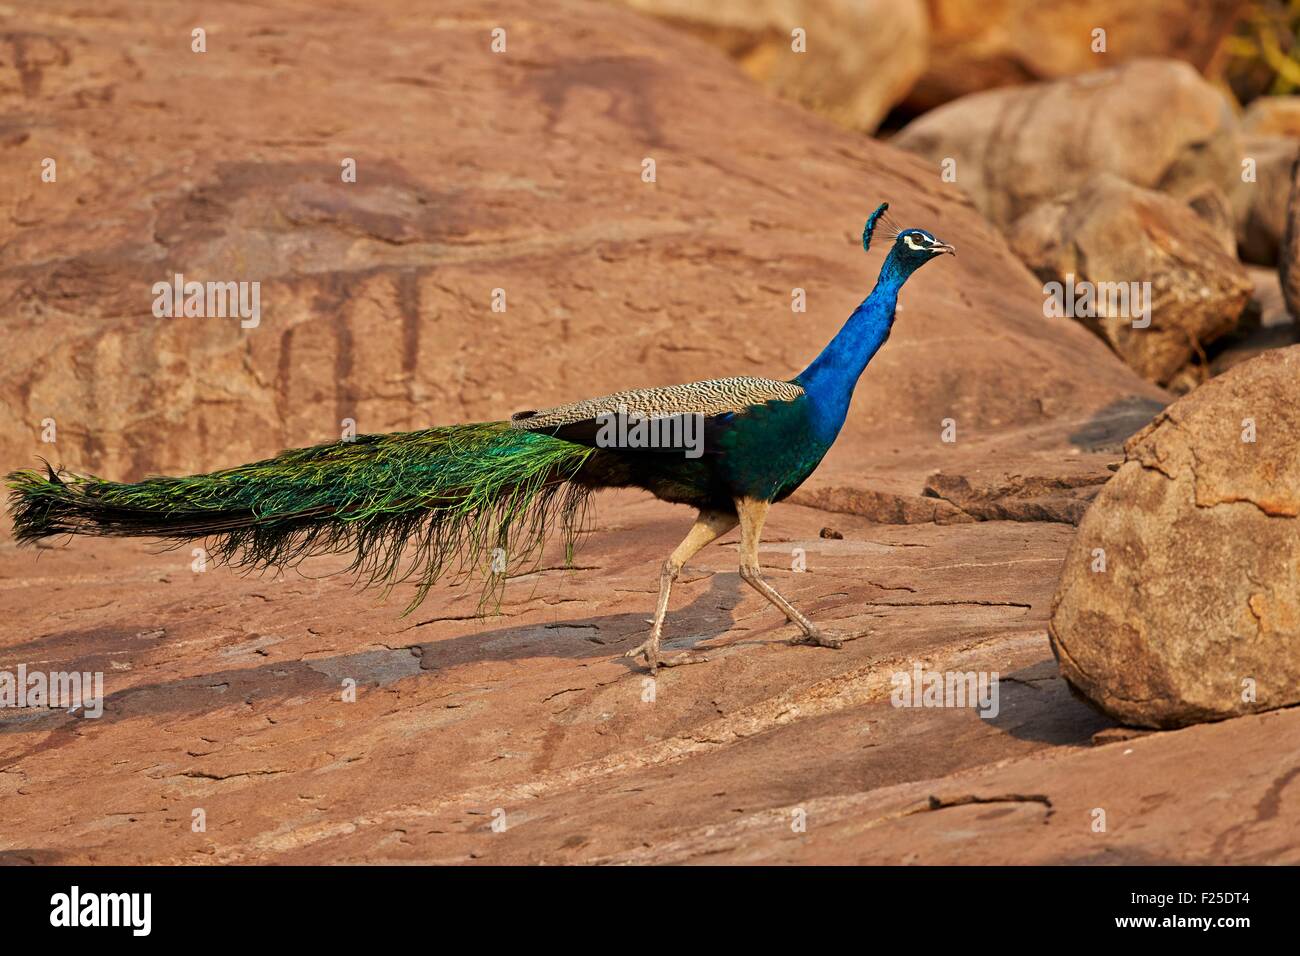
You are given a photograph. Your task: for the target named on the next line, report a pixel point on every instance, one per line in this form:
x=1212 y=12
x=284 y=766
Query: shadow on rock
x=1110 y=427
x=1035 y=704
x=707 y=617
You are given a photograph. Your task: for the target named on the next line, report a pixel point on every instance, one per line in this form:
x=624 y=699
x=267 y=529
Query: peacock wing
x=713 y=405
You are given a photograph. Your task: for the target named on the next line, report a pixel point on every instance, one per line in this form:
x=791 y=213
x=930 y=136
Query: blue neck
x=830 y=379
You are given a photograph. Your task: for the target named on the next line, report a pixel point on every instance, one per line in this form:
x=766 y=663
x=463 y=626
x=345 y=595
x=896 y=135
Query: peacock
x=452 y=501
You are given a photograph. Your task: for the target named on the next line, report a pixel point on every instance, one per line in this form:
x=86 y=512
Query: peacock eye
x=913 y=244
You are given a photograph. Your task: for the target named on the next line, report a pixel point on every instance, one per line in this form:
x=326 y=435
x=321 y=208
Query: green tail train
x=452 y=495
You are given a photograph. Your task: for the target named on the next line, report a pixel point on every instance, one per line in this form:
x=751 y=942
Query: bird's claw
x=818 y=639
x=653 y=661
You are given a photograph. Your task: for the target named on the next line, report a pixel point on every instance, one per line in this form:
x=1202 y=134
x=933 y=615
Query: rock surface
x=980 y=44
x=1181 y=289
x=1196 y=613
x=1155 y=123
x=225 y=694
x=1165 y=798
x=859 y=57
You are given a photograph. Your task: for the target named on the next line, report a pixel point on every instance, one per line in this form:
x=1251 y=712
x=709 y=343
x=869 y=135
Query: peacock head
x=917 y=245
x=912 y=249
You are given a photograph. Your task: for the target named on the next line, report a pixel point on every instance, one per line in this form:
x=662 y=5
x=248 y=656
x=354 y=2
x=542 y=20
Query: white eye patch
x=913 y=244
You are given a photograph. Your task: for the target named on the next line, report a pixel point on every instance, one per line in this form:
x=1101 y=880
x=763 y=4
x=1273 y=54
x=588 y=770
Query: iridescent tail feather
x=445 y=498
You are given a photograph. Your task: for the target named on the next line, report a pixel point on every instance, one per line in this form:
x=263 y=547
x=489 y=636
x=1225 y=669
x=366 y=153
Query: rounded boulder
x=1179 y=601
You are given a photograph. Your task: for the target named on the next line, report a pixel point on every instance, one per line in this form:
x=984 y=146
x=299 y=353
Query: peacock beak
x=938 y=247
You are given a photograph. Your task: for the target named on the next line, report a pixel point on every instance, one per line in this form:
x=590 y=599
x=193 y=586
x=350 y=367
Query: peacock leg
x=709 y=526
x=752 y=514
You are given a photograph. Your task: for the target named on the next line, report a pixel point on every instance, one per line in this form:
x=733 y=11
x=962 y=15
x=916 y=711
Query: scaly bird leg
x=752 y=515
x=709 y=526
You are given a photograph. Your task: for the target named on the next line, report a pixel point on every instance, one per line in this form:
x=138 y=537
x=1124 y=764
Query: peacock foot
x=818 y=638
x=654 y=661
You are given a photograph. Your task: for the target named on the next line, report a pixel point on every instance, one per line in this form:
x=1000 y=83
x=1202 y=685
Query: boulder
x=1270 y=127
x=860 y=57
x=1179 y=601
x=1155 y=123
x=1265 y=325
x=979 y=44
x=1178 y=287
x=1214 y=209
x=1272 y=116
x=1288 y=259
x=1259 y=200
